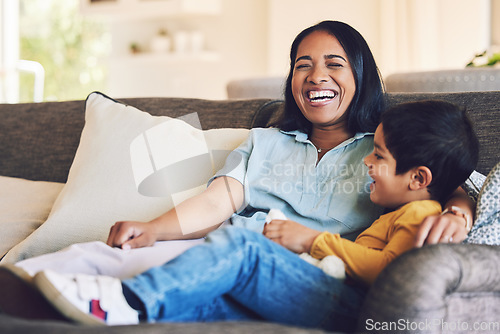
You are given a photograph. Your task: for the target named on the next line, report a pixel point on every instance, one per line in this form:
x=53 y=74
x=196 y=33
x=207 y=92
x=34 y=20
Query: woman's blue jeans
x=238 y=274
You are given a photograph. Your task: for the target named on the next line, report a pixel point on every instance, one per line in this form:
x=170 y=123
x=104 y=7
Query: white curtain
x=420 y=35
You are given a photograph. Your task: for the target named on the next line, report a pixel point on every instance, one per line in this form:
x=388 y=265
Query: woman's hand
x=292 y=235
x=131 y=234
x=200 y=214
x=446 y=228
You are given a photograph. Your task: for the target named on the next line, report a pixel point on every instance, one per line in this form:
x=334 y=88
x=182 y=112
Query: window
x=71 y=48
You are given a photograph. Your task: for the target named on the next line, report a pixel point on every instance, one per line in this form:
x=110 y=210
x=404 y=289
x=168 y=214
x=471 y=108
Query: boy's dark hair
x=363 y=114
x=435 y=134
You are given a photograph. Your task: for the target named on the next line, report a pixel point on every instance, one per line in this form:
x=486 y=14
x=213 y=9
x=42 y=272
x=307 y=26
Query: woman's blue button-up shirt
x=280 y=170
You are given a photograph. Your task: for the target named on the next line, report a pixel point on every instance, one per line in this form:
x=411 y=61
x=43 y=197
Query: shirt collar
x=299 y=135
x=303 y=138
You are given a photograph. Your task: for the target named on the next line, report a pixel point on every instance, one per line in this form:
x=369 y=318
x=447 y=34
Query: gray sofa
x=447 y=283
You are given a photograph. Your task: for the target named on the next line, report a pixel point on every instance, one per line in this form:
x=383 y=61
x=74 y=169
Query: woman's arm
x=448 y=227
x=191 y=219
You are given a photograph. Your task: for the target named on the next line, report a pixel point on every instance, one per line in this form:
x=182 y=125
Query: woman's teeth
x=321 y=95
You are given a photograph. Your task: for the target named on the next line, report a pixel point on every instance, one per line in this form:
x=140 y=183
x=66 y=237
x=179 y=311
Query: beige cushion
x=118 y=173
x=24 y=206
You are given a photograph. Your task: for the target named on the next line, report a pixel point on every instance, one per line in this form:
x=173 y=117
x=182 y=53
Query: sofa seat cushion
x=15 y=325
x=24 y=206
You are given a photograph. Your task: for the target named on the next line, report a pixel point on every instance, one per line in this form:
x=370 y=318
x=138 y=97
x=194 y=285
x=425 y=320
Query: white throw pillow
x=24 y=206
x=121 y=159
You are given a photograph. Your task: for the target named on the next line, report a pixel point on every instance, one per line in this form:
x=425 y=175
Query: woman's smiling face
x=323 y=83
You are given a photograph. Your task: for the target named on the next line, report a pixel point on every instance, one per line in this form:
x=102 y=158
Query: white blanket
x=97 y=258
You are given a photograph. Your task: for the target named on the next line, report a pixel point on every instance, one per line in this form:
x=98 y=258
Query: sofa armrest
x=437 y=288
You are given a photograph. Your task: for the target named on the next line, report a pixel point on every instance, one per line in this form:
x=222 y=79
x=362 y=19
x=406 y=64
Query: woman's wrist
x=459 y=212
x=460 y=205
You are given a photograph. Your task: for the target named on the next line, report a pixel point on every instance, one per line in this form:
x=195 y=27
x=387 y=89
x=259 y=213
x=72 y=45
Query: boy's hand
x=292 y=235
x=131 y=234
x=436 y=229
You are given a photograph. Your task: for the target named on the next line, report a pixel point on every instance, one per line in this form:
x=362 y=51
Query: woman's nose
x=318 y=75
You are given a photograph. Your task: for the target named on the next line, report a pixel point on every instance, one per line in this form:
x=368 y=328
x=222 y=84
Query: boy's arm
x=448 y=227
x=361 y=261
x=200 y=214
x=388 y=237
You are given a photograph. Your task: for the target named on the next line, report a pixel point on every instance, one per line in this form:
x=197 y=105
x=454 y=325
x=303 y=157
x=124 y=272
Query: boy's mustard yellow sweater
x=389 y=236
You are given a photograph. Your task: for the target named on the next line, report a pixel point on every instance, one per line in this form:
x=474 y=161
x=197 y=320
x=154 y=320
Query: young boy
x=423 y=151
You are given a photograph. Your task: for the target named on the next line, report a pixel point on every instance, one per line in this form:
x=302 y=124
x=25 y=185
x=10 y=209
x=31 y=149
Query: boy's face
x=387 y=189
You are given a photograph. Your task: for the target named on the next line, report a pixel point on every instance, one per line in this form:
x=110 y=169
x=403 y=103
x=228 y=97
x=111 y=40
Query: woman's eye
x=378 y=157
x=301 y=66
x=334 y=65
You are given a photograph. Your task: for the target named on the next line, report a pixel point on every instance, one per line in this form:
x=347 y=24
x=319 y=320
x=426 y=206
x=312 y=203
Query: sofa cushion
x=111 y=178
x=24 y=205
x=486 y=229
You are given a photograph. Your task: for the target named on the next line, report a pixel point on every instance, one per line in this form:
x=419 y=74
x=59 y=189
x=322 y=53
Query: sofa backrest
x=38 y=141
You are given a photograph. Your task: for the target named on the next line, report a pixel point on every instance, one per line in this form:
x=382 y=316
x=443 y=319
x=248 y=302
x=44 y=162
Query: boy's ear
x=421 y=177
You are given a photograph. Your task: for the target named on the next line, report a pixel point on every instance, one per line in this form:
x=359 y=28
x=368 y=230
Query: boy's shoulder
x=414 y=212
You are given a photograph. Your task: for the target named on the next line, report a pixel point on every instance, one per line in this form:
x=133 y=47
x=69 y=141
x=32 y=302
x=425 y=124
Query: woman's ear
x=421 y=177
